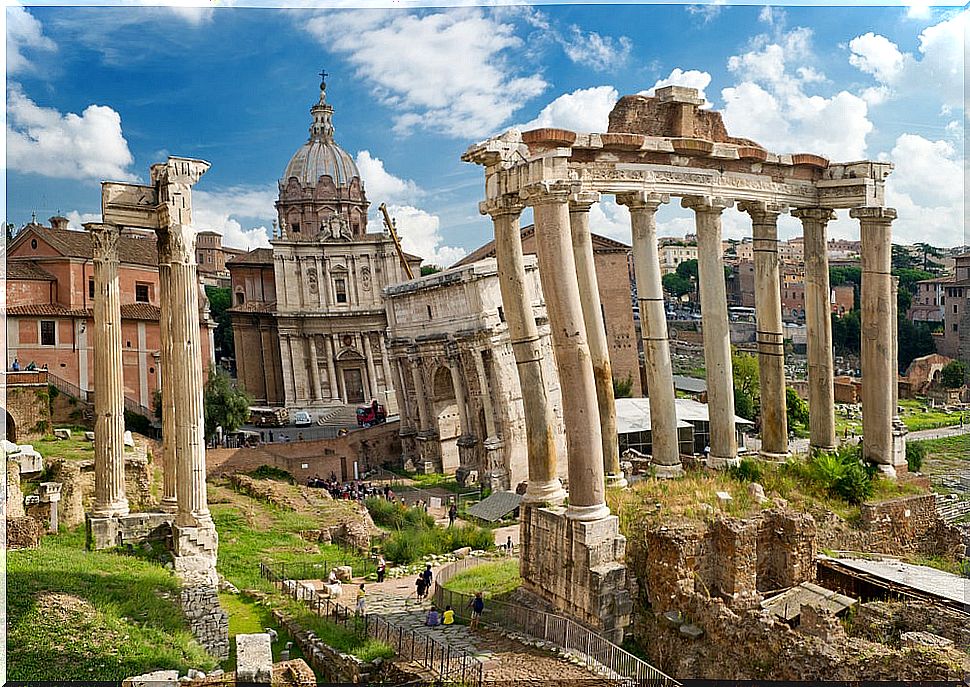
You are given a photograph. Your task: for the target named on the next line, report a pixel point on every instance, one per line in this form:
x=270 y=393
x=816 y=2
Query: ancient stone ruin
x=658 y=147
x=165 y=207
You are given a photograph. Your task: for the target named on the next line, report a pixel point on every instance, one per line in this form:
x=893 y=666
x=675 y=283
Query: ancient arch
x=10 y=425
x=445 y=409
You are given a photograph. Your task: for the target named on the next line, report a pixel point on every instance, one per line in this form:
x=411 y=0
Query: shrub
x=412 y=544
x=915 y=453
x=397 y=516
x=270 y=472
x=841 y=473
x=749 y=470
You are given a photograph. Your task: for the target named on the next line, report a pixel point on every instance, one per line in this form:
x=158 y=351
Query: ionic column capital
x=503 y=206
x=105 y=240
x=549 y=192
x=873 y=215
x=824 y=215
x=582 y=201
x=706 y=204
x=762 y=212
x=642 y=200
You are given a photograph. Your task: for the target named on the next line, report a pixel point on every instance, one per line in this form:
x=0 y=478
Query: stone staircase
x=338 y=417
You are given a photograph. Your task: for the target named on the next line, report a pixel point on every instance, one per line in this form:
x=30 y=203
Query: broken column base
x=722 y=463
x=617 y=481
x=576 y=566
x=899 y=446
x=108 y=531
x=194 y=551
x=667 y=471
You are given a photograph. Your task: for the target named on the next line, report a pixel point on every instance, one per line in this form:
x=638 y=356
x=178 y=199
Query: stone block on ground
x=254 y=658
x=157 y=678
x=344 y=573
x=913 y=640
x=757 y=492
x=89 y=436
x=129 y=440
x=692 y=631
x=724 y=498
x=30 y=460
x=62 y=433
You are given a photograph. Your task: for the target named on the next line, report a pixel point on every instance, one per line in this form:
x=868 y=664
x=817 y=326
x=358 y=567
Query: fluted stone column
x=894 y=302
x=486 y=395
x=653 y=332
x=878 y=367
x=818 y=320
x=557 y=265
x=770 y=332
x=331 y=367
x=314 y=368
x=388 y=379
x=424 y=421
x=109 y=383
x=169 y=463
x=175 y=180
x=717 y=332
x=461 y=397
x=371 y=369
x=544 y=485
x=599 y=350
x=404 y=403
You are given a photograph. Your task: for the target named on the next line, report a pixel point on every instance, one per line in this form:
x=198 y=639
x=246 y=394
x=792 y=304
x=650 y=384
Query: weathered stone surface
x=77 y=476
x=15 y=497
x=157 y=678
x=254 y=658
x=23 y=533
x=344 y=573
x=914 y=640
x=132 y=529
x=62 y=433
x=207 y=620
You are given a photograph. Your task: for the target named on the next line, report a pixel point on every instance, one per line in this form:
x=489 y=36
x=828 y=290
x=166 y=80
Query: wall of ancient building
x=29 y=407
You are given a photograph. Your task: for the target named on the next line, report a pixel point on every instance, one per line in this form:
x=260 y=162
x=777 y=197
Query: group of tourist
x=447 y=617
x=355 y=490
x=31 y=366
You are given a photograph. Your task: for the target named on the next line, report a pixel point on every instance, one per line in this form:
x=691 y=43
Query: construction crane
x=389 y=223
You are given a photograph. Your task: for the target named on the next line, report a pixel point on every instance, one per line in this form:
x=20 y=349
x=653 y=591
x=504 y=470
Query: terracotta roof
x=257 y=256
x=28 y=270
x=129 y=311
x=600 y=244
x=77 y=244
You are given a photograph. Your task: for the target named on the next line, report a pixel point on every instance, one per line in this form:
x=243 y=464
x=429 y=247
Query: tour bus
x=269 y=417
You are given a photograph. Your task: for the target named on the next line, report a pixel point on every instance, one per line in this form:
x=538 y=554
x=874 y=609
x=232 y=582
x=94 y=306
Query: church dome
x=320 y=155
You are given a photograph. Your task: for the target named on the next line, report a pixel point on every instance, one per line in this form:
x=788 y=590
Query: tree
x=220 y=300
x=688 y=269
x=225 y=405
x=796 y=408
x=901 y=257
x=676 y=285
x=429 y=269
x=928 y=252
x=747 y=387
x=915 y=340
x=847 y=333
x=954 y=375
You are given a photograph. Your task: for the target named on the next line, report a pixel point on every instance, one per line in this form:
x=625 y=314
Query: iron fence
x=450 y=663
x=598 y=652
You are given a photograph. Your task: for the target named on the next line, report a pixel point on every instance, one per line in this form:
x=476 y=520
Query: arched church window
x=240 y=298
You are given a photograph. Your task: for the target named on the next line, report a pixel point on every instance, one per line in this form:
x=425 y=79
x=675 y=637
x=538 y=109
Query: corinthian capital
x=762 y=212
x=583 y=201
x=105 y=238
x=501 y=206
x=874 y=215
x=824 y=215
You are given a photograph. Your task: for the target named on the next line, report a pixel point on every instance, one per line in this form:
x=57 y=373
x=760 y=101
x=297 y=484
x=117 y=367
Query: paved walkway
x=801 y=445
x=502 y=658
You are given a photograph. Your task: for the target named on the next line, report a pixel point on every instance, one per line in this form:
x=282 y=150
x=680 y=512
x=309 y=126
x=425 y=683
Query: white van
x=301 y=418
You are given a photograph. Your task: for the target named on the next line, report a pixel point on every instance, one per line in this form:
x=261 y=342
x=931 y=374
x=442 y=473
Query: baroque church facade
x=308 y=316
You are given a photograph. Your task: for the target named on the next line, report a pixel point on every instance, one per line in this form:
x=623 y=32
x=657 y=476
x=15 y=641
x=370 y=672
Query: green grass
x=75 y=448
x=80 y=615
x=492 y=579
x=915 y=419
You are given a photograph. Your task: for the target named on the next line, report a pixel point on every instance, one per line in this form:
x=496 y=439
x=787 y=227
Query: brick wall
x=908 y=525
x=28 y=405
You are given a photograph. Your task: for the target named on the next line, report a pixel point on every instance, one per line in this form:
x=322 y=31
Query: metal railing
x=600 y=654
x=450 y=663
x=69 y=388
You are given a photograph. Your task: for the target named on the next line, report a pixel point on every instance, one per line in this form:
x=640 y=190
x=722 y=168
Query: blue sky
x=102 y=92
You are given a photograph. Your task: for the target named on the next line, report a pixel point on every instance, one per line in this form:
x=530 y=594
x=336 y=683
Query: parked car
x=301 y=418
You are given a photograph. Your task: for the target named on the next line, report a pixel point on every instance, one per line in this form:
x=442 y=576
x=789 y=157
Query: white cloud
x=194 y=12
x=919 y=9
x=583 y=110
x=940 y=62
x=420 y=235
x=381 y=185
x=609 y=218
x=770 y=104
x=596 y=51
x=707 y=12
x=76 y=220
x=24 y=32
x=43 y=141
x=691 y=78
x=447 y=71
x=224 y=211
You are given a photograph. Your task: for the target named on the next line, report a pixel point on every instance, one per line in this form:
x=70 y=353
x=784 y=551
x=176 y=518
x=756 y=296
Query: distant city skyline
x=99 y=93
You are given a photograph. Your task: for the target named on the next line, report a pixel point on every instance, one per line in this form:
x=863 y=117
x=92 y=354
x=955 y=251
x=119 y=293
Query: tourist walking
x=478 y=607
x=422 y=587
x=361 y=599
x=452 y=514
x=428 y=576
x=381 y=568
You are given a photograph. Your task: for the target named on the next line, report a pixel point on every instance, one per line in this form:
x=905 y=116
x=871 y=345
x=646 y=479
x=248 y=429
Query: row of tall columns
x=582 y=245
x=653 y=331
x=109 y=397
x=169 y=465
x=486 y=395
x=544 y=485
x=878 y=365
x=461 y=398
x=818 y=322
x=770 y=333
x=717 y=334
x=584 y=442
